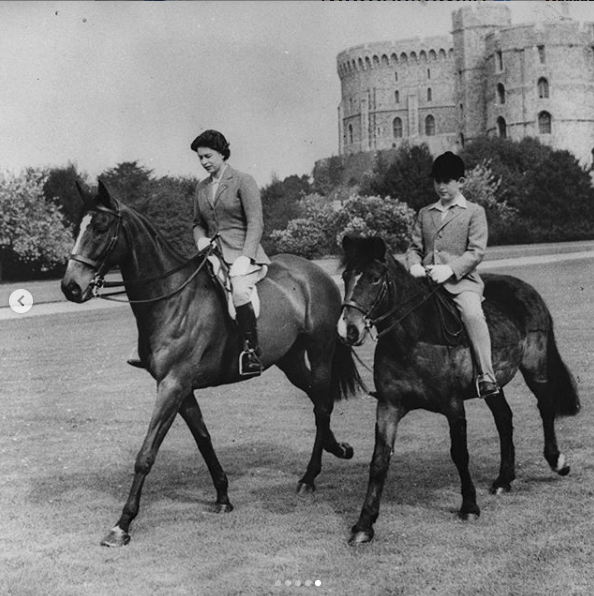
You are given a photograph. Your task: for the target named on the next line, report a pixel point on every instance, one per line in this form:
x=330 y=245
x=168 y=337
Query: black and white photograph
x=296 y=296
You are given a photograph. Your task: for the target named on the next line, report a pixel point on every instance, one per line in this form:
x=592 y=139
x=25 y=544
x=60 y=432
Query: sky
x=100 y=83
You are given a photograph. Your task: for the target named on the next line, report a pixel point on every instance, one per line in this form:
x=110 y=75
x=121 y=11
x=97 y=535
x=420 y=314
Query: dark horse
x=415 y=368
x=188 y=341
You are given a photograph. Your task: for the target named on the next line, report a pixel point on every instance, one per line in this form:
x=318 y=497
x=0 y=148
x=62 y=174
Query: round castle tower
x=488 y=78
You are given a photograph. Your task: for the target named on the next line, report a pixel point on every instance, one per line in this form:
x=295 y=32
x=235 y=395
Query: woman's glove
x=440 y=273
x=202 y=243
x=240 y=266
x=417 y=270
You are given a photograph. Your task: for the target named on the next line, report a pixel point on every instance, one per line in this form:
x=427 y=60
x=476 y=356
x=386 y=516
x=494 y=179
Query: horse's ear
x=378 y=248
x=86 y=199
x=103 y=195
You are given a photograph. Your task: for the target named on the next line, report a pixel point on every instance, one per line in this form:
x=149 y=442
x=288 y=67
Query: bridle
x=370 y=321
x=101 y=267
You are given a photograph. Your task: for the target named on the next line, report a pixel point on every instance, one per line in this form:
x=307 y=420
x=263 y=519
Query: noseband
x=368 y=320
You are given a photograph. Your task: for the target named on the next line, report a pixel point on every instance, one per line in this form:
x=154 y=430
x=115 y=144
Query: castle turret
x=471 y=26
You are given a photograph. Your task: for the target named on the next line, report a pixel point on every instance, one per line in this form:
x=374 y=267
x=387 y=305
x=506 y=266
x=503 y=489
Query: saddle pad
x=220 y=274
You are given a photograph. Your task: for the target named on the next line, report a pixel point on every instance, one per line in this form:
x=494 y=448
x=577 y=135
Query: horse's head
x=365 y=286
x=98 y=246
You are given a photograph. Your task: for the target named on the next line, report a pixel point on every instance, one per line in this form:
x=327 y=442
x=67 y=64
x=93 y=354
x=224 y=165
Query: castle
x=488 y=78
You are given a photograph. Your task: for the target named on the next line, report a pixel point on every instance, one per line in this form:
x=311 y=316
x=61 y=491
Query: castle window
x=396 y=76
x=502 y=127
x=428 y=73
x=350 y=134
x=429 y=95
x=544 y=123
x=397 y=128
x=499 y=60
x=461 y=140
x=543 y=88
x=397 y=96
x=430 y=126
x=500 y=93
x=541 y=54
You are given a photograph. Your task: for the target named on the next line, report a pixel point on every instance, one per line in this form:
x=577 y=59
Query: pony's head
x=98 y=247
x=365 y=270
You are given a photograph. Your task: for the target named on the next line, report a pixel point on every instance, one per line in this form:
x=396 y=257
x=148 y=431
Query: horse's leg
x=503 y=421
x=387 y=419
x=546 y=406
x=316 y=383
x=192 y=415
x=169 y=398
x=456 y=416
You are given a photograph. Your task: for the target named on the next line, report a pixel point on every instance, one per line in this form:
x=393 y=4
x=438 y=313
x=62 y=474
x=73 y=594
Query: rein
x=371 y=322
x=101 y=268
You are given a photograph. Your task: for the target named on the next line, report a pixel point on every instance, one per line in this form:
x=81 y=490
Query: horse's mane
x=153 y=232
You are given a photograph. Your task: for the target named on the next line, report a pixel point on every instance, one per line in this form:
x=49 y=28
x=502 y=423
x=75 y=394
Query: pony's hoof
x=116 y=537
x=562 y=468
x=469 y=516
x=304 y=489
x=361 y=537
x=223 y=508
x=500 y=489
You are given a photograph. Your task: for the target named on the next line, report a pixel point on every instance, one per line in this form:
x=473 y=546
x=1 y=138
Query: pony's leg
x=192 y=415
x=387 y=419
x=169 y=398
x=456 y=416
x=503 y=421
x=546 y=406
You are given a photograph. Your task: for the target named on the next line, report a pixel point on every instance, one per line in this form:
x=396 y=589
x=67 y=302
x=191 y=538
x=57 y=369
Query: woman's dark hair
x=212 y=139
x=447 y=167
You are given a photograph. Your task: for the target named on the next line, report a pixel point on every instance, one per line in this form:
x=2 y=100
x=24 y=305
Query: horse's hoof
x=562 y=468
x=304 y=489
x=361 y=537
x=500 y=489
x=116 y=537
x=347 y=451
x=223 y=508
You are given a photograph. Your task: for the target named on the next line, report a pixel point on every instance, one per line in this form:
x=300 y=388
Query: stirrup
x=489 y=388
x=249 y=363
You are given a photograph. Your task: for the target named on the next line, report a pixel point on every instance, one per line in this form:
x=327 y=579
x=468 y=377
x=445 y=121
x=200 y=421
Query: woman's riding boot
x=249 y=360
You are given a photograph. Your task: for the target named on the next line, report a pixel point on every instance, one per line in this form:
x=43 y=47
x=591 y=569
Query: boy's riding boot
x=249 y=359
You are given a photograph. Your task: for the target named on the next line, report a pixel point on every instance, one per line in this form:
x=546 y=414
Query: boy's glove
x=440 y=273
x=202 y=243
x=417 y=270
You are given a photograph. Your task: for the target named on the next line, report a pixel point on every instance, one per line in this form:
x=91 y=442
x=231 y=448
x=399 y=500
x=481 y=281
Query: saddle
x=452 y=331
x=219 y=272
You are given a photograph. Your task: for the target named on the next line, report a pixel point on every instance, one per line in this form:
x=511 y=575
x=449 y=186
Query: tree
x=406 y=177
x=129 y=181
x=31 y=228
x=60 y=188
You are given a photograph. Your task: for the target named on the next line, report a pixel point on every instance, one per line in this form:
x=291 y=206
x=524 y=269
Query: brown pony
x=188 y=341
x=414 y=367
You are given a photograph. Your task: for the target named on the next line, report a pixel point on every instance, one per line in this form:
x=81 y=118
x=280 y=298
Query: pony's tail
x=561 y=380
x=346 y=380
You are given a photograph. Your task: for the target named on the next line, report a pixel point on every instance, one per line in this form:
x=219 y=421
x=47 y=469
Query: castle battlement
x=490 y=77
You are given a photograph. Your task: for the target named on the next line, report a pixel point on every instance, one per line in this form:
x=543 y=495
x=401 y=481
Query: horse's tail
x=561 y=380
x=346 y=380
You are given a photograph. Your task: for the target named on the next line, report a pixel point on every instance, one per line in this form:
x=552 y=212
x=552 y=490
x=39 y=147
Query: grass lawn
x=73 y=415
